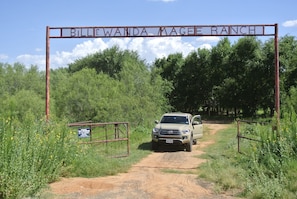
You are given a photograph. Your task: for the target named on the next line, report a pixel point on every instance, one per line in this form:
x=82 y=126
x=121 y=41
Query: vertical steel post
x=47 y=78
x=277 y=89
x=238 y=136
x=128 y=138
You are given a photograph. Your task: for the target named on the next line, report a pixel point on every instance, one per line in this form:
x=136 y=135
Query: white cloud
x=3 y=57
x=161 y=47
x=206 y=46
x=29 y=60
x=290 y=23
x=86 y=48
x=208 y=39
x=38 y=50
x=147 y=48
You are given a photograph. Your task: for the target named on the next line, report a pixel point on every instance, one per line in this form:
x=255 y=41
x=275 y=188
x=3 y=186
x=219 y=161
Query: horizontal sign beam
x=161 y=31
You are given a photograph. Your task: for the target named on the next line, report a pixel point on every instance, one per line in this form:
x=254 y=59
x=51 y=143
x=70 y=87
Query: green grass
x=96 y=160
x=32 y=154
x=220 y=167
x=36 y=153
x=265 y=169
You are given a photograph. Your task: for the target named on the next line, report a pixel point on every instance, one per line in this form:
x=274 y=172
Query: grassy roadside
x=220 y=167
x=93 y=160
x=264 y=169
x=35 y=153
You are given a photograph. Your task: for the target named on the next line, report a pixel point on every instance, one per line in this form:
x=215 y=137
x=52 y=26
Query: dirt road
x=147 y=179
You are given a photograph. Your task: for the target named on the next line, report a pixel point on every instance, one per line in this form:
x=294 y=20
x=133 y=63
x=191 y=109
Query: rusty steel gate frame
x=118 y=134
x=163 y=31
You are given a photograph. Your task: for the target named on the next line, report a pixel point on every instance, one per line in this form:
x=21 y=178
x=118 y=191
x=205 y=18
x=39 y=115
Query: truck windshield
x=175 y=119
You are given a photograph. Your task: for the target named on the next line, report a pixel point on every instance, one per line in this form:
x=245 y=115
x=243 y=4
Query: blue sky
x=23 y=25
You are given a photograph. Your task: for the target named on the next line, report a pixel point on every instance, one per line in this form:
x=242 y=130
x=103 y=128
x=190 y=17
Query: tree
x=21 y=103
x=218 y=75
x=169 y=69
x=129 y=94
x=22 y=90
x=268 y=77
x=109 y=61
x=288 y=61
x=245 y=65
x=170 y=66
x=192 y=82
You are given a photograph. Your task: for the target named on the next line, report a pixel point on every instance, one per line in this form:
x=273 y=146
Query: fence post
x=238 y=136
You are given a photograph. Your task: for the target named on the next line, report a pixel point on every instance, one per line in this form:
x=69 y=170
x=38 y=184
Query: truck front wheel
x=189 y=145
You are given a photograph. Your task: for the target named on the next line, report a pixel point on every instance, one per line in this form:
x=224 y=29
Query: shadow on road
x=162 y=148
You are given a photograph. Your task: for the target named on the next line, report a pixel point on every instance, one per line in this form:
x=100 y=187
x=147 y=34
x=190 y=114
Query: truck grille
x=169 y=132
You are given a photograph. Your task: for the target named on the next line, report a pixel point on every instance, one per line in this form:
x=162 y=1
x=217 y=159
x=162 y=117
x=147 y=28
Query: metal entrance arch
x=163 y=31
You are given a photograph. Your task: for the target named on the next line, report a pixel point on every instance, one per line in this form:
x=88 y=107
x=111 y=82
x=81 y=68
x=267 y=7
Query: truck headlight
x=186 y=131
x=156 y=130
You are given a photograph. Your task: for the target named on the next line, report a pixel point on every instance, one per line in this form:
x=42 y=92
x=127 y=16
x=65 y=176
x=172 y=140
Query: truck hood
x=172 y=126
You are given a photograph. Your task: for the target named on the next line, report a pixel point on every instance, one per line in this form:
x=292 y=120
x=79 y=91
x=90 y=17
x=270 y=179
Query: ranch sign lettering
x=161 y=31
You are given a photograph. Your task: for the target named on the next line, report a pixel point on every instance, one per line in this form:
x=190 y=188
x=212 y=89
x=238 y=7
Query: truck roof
x=177 y=114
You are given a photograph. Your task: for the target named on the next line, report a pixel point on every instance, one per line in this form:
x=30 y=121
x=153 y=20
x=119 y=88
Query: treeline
x=107 y=86
x=116 y=85
x=237 y=78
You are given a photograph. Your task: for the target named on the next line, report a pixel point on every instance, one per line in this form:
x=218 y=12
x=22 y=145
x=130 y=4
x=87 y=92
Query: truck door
x=197 y=127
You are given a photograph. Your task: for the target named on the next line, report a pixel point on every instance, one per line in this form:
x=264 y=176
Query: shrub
x=271 y=162
x=32 y=155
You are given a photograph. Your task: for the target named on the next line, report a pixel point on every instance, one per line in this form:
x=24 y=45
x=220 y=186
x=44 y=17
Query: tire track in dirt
x=147 y=179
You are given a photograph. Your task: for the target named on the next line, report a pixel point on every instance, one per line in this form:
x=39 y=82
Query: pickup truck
x=177 y=129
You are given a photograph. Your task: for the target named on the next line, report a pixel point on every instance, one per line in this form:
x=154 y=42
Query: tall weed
x=269 y=162
x=265 y=168
x=32 y=154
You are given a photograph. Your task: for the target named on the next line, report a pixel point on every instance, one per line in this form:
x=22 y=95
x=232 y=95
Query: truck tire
x=195 y=142
x=189 y=145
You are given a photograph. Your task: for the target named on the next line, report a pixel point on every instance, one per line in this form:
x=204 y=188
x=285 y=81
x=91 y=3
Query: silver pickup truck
x=177 y=129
